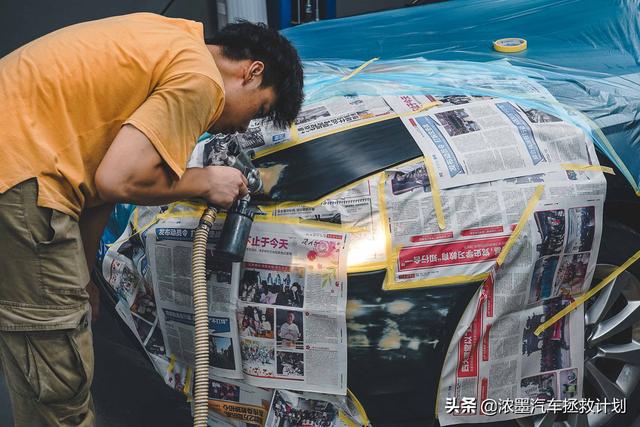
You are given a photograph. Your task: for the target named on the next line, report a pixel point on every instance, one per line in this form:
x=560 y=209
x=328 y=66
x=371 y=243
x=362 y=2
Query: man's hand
x=224 y=185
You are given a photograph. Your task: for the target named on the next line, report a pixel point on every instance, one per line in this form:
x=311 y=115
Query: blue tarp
x=585 y=52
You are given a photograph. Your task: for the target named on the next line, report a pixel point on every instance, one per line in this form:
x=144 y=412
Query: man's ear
x=254 y=72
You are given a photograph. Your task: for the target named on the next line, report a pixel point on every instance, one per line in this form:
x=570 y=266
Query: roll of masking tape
x=510 y=45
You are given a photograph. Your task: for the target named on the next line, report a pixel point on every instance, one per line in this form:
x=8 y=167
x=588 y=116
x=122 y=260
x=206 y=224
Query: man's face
x=243 y=104
x=290 y=318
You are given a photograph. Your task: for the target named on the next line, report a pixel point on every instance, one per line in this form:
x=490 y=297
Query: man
x=91 y=115
x=289 y=331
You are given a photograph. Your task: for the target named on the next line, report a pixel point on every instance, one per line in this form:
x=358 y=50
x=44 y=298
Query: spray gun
x=231 y=247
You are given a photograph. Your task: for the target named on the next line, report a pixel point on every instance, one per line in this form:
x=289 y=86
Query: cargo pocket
x=62 y=264
x=61 y=366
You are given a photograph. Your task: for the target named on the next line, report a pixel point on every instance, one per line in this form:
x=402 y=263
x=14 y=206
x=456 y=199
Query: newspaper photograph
x=291 y=303
x=496 y=355
x=480 y=139
x=313 y=410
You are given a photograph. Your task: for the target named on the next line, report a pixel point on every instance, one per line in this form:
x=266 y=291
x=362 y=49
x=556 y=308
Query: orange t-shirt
x=64 y=97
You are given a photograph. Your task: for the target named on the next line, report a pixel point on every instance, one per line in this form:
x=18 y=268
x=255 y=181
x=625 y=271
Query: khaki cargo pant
x=46 y=349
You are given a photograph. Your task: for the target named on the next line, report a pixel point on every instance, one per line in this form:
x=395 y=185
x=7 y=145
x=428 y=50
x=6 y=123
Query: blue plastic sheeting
x=115 y=227
x=585 y=52
x=592 y=36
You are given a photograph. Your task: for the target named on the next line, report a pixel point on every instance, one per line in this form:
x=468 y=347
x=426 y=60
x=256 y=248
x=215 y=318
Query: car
x=585 y=54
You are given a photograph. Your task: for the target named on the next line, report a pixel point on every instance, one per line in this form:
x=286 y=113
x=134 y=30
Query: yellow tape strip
x=307 y=222
x=531 y=204
x=360 y=68
x=359 y=407
x=136 y=213
x=596 y=168
x=623 y=167
x=313 y=203
x=435 y=192
x=425 y=107
x=187 y=383
x=172 y=363
x=438 y=281
x=293 y=132
x=346 y=420
x=382 y=207
x=583 y=298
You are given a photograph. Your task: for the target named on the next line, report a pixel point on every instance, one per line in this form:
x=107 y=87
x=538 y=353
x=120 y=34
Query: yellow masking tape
x=583 y=298
x=313 y=203
x=576 y=167
x=382 y=206
x=435 y=192
x=360 y=68
x=307 y=222
x=391 y=285
x=359 y=407
x=346 y=420
x=187 y=382
x=510 y=45
x=531 y=204
x=293 y=132
x=611 y=151
x=172 y=363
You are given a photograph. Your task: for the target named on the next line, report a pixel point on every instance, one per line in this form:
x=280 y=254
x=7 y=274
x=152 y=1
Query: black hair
x=282 y=67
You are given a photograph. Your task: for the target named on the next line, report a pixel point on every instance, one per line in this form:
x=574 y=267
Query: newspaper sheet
x=478 y=139
x=316 y=119
x=291 y=308
x=479 y=220
x=170 y=248
x=314 y=410
x=277 y=320
x=495 y=359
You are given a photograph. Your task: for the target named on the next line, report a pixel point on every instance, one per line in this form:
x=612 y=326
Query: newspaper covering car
x=505 y=194
x=276 y=321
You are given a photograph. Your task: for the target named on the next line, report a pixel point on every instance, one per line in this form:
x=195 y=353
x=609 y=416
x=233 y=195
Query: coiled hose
x=201 y=317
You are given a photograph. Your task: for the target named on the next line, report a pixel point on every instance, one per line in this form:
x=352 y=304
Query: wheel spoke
x=629 y=315
x=605 y=299
x=627 y=352
x=543 y=420
x=603 y=385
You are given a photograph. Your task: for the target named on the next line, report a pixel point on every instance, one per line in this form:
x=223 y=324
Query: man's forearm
x=159 y=188
x=92 y=223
